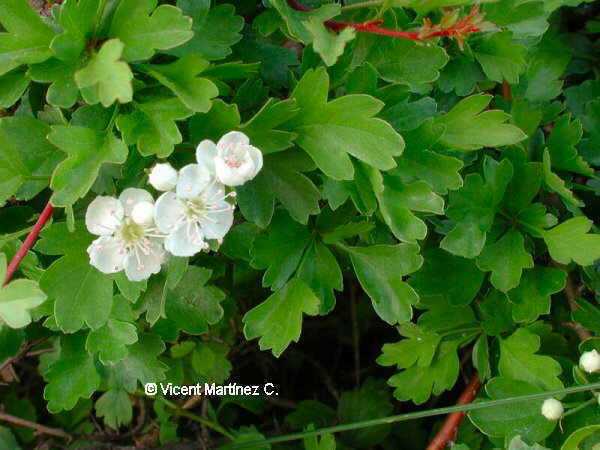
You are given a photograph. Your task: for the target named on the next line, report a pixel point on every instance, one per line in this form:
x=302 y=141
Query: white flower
x=590 y=361
x=233 y=159
x=196 y=211
x=552 y=409
x=127 y=237
x=163 y=177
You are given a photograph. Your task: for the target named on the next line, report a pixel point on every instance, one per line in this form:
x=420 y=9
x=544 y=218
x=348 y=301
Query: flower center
x=232 y=162
x=195 y=208
x=131 y=233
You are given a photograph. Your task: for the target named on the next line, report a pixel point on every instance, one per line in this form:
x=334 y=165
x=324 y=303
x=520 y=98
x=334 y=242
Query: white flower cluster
x=135 y=231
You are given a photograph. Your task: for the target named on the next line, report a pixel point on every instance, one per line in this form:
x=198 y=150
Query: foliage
x=363 y=204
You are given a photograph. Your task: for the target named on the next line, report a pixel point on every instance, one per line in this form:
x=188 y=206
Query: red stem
x=448 y=431
x=462 y=27
x=28 y=242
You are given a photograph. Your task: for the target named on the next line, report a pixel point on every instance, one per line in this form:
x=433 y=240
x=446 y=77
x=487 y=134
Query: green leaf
x=419 y=162
x=554 y=183
x=17 y=298
x=326 y=43
x=216 y=29
x=517 y=444
x=481 y=357
x=561 y=143
x=469 y=128
x=63 y=91
x=144 y=28
x=71 y=376
x=379 y=270
x=532 y=297
x=78 y=20
x=56 y=239
x=587 y=315
x=321 y=272
x=141 y=364
x=296 y=21
x=398 y=201
x=12 y=86
x=570 y=241
x=280 y=250
x=403 y=60
x=505 y=421
x=459 y=285
x=262 y=127
x=25 y=152
x=405 y=115
x=418 y=348
x=81 y=293
x=460 y=75
x=151 y=126
x=87 y=150
x=105 y=78
x=114 y=406
x=506 y=258
x=474 y=206
x=182 y=78
x=26 y=39
x=278 y=320
x=325 y=442
x=500 y=57
x=110 y=341
x=369 y=401
x=8 y=440
x=192 y=305
x=310 y=412
x=519 y=361
x=330 y=131
x=210 y=362
x=418 y=383
x=524 y=19
x=578 y=437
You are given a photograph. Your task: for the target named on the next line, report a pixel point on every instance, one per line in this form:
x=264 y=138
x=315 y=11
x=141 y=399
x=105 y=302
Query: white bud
x=143 y=213
x=163 y=177
x=552 y=409
x=590 y=361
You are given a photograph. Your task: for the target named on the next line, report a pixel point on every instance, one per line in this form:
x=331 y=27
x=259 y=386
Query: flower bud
x=552 y=409
x=590 y=361
x=143 y=213
x=163 y=177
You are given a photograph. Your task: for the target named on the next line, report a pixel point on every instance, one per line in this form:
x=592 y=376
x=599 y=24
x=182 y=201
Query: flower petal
x=227 y=175
x=185 y=240
x=104 y=215
x=132 y=196
x=107 y=254
x=139 y=265
x=219 y=222
x=231 y=139
x=205 y=154
x=193 y=178
x=257 y=159
x=168 y=211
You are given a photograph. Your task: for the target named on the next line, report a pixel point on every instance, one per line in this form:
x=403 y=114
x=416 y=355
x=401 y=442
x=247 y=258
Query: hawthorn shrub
x=359 y=207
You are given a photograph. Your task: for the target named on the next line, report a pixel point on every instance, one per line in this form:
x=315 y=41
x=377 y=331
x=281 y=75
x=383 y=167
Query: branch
x=35 y=426
x=468 y=25
x=28 y=242
x=448 y=431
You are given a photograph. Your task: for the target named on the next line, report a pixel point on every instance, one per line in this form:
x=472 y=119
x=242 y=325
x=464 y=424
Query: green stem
x=418 y=415
x=16 y=234
x=208 y=423
x=115 y=113
x=360 y=5
x=591 y=401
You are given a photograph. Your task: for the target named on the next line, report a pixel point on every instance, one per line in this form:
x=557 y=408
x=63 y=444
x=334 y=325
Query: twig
x=506 y=91
x=35 y=426
x=28 y=242
x=448 y=431
x=25 y=347
x=458 y=29
x=571 y=294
